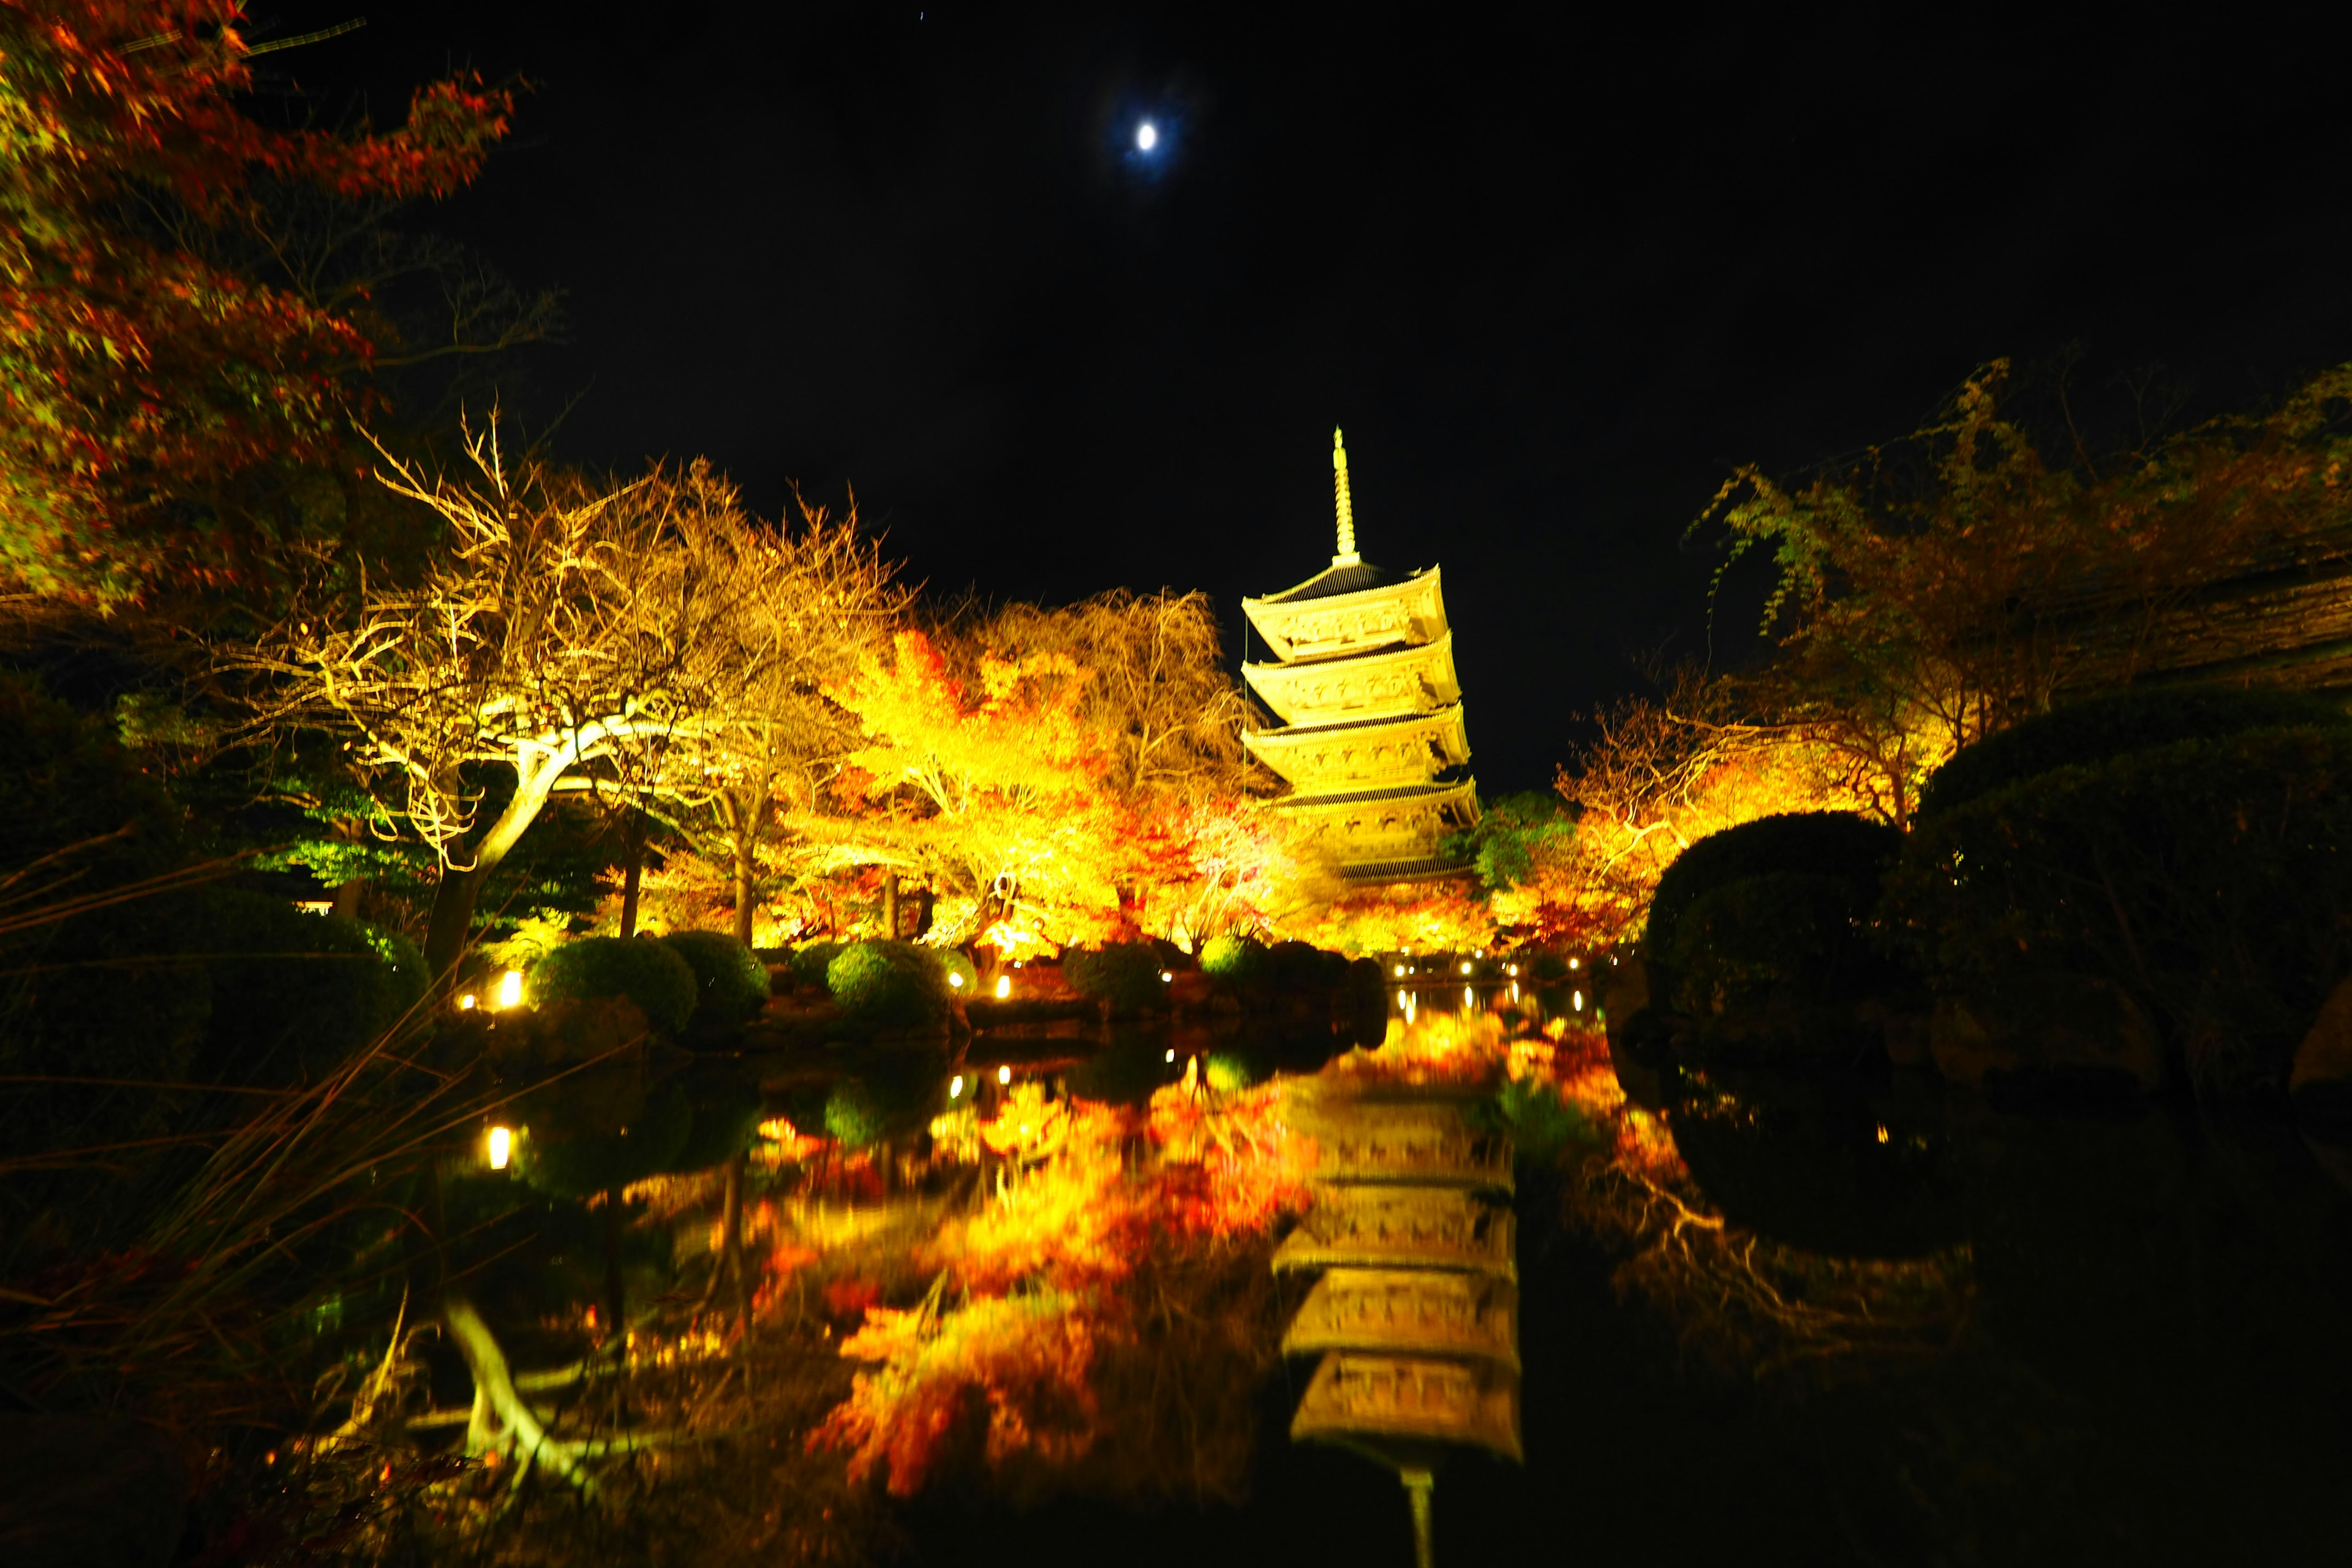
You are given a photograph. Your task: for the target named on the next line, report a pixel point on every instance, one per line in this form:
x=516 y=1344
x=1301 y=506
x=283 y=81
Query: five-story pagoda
x=1372 y=743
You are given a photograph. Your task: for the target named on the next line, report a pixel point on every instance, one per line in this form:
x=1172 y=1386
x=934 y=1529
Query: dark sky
x=1555 y=278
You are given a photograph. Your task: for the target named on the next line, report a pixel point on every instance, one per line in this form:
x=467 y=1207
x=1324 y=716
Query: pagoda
x=1372 y=742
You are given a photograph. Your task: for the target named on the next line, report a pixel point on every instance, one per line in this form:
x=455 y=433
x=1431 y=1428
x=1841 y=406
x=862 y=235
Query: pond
x=1870 y=1318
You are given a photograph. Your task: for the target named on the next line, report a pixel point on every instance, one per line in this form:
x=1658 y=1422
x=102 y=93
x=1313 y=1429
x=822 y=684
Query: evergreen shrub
x=1303 y=966
x=889 y=984
x=649 y=972
x=1811 y=843
x=730 y=985
x=1793 y=934
x=2210 y=878
x=1124 y=974
x=1236 y=957
x=600 y=1130
x=2083 y=733
x=294 y=994
x=809 y=964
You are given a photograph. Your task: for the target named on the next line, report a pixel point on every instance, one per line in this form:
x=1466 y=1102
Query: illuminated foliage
x=138 y=378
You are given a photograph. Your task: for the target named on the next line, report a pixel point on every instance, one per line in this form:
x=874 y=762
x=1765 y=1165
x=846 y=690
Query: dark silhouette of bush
x=650 y=973
x=2210 y=878
x=600 y=1130
x=730 y=985
x=1125 y=974
x=294 y=994
x=1235 y=958
x=2082 y=733
x=889 y=984
x=809 y=964
x=1296 y=966
x=1784 y=936
x=1808 y=843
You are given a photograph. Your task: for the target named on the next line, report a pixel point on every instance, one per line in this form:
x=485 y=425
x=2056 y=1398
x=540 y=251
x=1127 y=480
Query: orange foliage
x=1441 y=916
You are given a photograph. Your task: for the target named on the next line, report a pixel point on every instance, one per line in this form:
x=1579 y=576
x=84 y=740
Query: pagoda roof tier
x=1363 y=829
x=1415 y=678
x=1412 y=748
x=1349 y=610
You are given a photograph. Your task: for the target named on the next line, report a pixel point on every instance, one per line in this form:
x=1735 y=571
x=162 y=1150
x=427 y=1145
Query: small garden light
x=510 y=989
x=465 y=1003
x=1171 y=1053
x=1399 y=972
x=1467 y=966
x=1167 y=977
x=1004 y=1075
x=501 y=1147
x=955 y=981
x=1577 y=999
x=1572 y=964
x=1003 y=986
x=955 y=1085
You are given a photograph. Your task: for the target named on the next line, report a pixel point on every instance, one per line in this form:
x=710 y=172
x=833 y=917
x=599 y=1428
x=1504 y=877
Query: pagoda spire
x=1348 y=555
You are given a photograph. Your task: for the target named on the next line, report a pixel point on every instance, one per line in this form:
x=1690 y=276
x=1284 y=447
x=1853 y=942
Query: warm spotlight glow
x=1572 y=964
x=1003 y=986
x=1469 y=997
x=1402 y=999
x=1466 y=967
x=1171 y=1053
x=1004 y=1075
x=955 y=1085
x=511 y=988
x=1400 y=974
x=1167 y=977
x=1515 y=971
x=1576 y=1000
x=1147 y=136
x=955 y=981
x=465 y=1003
x=501 y=1146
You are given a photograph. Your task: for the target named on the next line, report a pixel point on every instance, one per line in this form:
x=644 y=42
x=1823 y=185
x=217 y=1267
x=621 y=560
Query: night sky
x=1555 y=278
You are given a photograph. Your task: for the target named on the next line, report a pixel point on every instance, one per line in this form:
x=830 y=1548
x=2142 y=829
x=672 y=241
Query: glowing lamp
x=1514 y=970
x=955 y=1085
x=1399 y=972
x=501 y=1147
x=1576 y=999
x=1004 y=1075
x=1003 y=986
x=1171 y=1054
x=1465 y=968
x=511 y=988
x=1469 y=997
x=1403 y=1000
x=1167 y=977
x=465 y=1003
x=1147 y=137
x=955 y=981
x=1572 y=964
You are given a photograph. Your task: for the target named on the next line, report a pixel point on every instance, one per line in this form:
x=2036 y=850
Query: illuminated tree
x=568 y=637
x=141 y=377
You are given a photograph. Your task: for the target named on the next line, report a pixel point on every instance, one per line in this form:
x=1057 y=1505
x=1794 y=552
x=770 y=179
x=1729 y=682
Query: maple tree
x=141 y=377
x=566 y=636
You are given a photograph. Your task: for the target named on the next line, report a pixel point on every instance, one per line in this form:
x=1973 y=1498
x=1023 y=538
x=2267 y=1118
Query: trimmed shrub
x=1786 y=933
x=2212 y=879
x=1810 y=843
x=1303 y=966
x=1229 y=1073
x=893 y=1094
x=809 y=964
x=1125 y=974
x=1236 y=958
x=962 y=979
x=2083 y=733
x=649 y=972
x=889 y=984
x=730 y=985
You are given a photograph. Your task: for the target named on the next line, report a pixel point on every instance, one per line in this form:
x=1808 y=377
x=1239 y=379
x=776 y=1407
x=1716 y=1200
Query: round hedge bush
x=730 y=985
x=2082 y=733
x=889 y=984
x=1789 y=934
x=294 y=994
x=962 y=979
x=1807 y=843
x=649 y=972
x=585 y=1138
x=1236 y=957
x=809 y=964
x=1303 y=966
x=2210 y=879
x=1125 y=974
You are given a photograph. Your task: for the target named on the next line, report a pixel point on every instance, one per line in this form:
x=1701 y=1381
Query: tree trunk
x=743 y=882
x=633 y=878
x=890 y=907
x=452 y=919
x=347 y=898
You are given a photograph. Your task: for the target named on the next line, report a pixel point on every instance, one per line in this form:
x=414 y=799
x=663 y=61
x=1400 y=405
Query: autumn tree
x=566 y=636
x=139 y=376
x=809 y=606
x=1941 y=586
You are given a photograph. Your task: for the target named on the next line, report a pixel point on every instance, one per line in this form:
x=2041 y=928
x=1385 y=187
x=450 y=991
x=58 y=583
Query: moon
x=1147 y=136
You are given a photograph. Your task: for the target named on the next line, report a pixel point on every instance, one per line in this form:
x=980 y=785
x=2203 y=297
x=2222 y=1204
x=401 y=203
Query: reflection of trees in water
x=1747 y=1306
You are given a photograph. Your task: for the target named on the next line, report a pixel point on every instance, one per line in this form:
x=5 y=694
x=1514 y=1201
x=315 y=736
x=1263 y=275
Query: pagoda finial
x=1346 y=556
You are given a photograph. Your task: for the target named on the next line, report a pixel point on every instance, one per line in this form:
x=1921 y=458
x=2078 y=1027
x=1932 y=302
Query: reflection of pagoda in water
x=1372 y=743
